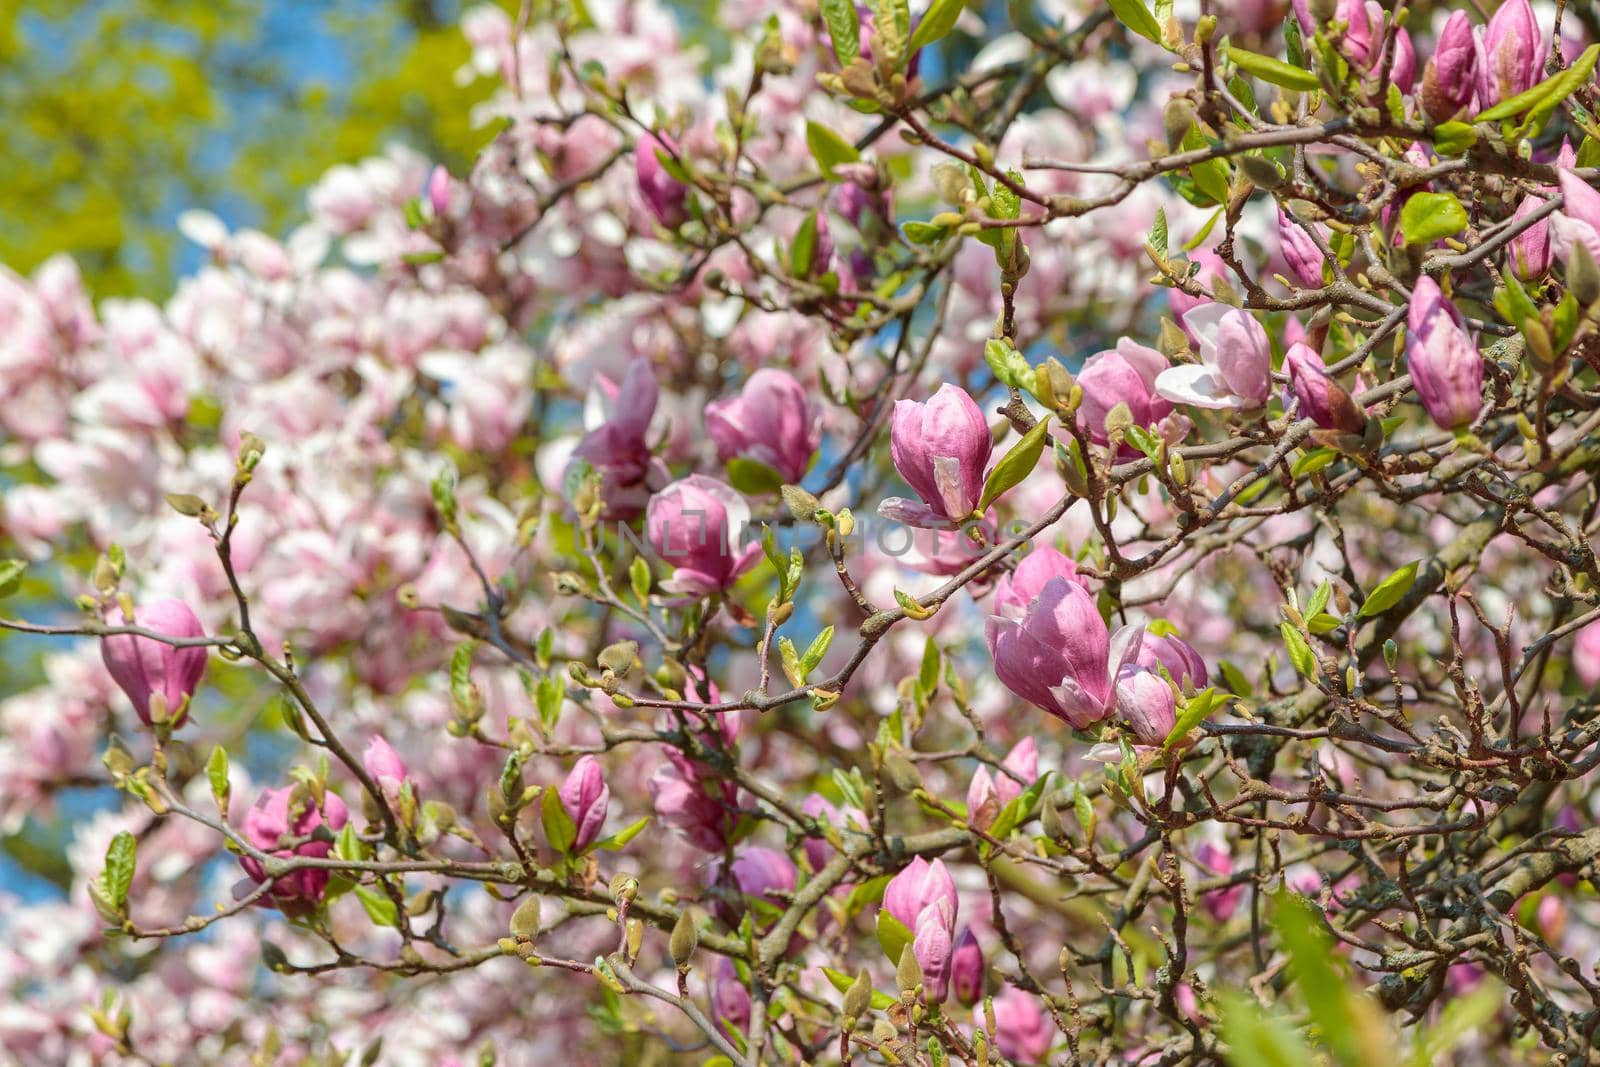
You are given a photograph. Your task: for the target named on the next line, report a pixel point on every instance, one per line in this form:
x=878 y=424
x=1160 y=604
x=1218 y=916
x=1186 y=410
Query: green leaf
x=892 y=935
x=1016 y=464
x=1389 y=591
x=1194 y=712
x=1010 y=367
x=828 y=148
x=1235 y=679
x=461 y=673
x=1300 y=653
x=1203 y=232
x=928 y=671
x=558 y=826
x=617 y=840
x=924 y=233
x=121 y=859
x=11 y=575
x=842 y=982
x=1276 y=71
x=347 y=846
x=380 y=909
x=1454 y=138
x=1134 y=15
x=1313 y=461
x=1256 y=1038
x=217 y=774
x=1211 y=176
x=800 y=253
x=750 y=476
x=1460 y=1018
x=639 y=578
x=1319 y=599
x=936 y=24
x=817 y=649
x=791 y=662
x=1548 y=94
x=548 y=698
x=1310 y=950
x=1429 y=216
x=1158 y=233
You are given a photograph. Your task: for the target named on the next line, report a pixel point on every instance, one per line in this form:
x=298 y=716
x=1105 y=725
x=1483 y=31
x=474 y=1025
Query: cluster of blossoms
x=480 y=564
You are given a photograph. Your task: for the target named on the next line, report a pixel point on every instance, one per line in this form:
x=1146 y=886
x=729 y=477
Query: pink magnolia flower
x=933 y=944
x=730 y=1000
x=585 y=796
x=1147 y=703
x=1180 y=659
x=696 y=524
x=1060 y=656
x=1014 y=591
x=1450 y=77
x=1586 y=655
x=616 y=449
x=145 y=668
x=818 y=851
x=1124 y=375
x=291 y=813
x=1579 y=217
x=966 y=969
x=919 y=885
x=771 y=421
x=1235 y=367
x=940 y=447
x=1023 y=1032
x=990 y=792
x=700 y=808
x=664 y=195
x=1220 y=904
x=1445 y=366
x=1319 y=397
x=1510 y=53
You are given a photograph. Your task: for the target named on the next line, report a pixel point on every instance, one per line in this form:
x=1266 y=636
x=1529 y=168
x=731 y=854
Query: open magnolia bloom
x=1060 y=656
x=1235 y=368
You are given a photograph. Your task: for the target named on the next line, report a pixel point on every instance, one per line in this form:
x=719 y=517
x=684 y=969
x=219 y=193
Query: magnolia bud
x=1176 y=118
x=1262 y=172
x=858 y=998
x=685 y=939
x=525 y=920
x=1583 y=277
x=624 y=887
x=908 y=975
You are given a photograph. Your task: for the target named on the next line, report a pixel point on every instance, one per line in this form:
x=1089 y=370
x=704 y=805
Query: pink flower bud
x=932 y=945
x=771 y=421
x=383 y=763
x=1530 y=256
x=1060 y=656
x=966 y=969
x=1125 y=375
x=859 y=199
x=585 y=796
x=439 y=192
x=1014 y=591
x=730 y=1000
x=1180 y=659
x=1023 y=1031
x=1445 y=366
x=1146 y=701
x=291 y=813
x=983 y=799
x=145 y=668
x=764 y=872
x=940 y=448
x=1300 y=251
x=701 y=809
x=1510 y=53
x=662 y=194
x=1449 y=80
x=919 y=886
x=1319 y=397
x=1023 y=763
x=1235 y=368
x=696 y=524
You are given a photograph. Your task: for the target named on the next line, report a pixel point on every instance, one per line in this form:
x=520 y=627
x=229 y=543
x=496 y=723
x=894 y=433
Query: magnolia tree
x=1044 y=535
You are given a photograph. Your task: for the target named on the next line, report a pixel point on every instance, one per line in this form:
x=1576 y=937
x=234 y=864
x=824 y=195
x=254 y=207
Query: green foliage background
x=119 y=114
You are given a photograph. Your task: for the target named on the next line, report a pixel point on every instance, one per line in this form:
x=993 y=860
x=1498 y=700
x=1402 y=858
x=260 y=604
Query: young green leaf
x=558 y=826
x=1300 y=654
x=380 y=909
x=843 y=28
x=1427 y=217
x=828 y=148
x=1389 y=591
x=1134 y=15
x=1016 y=464
x=121 y=859
x=936 y=24
x=892 y=935
x=1276 y=71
